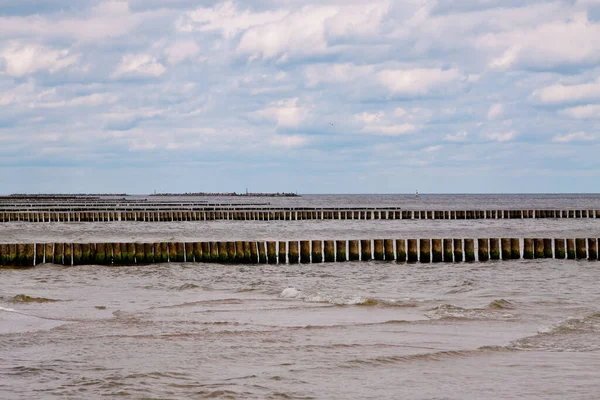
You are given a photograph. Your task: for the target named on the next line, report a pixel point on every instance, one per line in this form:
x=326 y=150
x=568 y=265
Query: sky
x=328 y=96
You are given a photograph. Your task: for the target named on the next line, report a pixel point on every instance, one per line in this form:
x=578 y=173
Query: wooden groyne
x=294 y=252
x=184 y=213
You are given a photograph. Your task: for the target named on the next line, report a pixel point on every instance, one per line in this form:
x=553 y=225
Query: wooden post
x=400 y=250
x=458 y=250
x=494 y=248
x=305 y=251
x=214 y=252
x=436 y=250
x=293 y=255
x=528 y=249
x=506 y=249
x=272 y=252
x=515 y=248
x=354 y=254
x=116 y=253
x=240 y=256
x=365 y=250
x=388 y=245
x=580 y=248
x=469 y=250
x=483 y=250
x=68 y=254
x=378 y=247
x=559 y=249
x=340 y=247
x=538 y=248
x=570 y=249
x=547 y=248
x=317 y=251
x=448 y=255
x=425 y=250
x=329 y=251
x=282 y=252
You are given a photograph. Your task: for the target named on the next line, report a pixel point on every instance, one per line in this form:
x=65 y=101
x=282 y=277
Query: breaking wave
x=492 y=312
x=340 y=300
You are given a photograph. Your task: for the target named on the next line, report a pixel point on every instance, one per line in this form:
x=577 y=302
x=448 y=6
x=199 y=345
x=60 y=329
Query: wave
x=462 y=287
x=575 y=334
x=452 y=312
x=187 y=286
x=340 y=300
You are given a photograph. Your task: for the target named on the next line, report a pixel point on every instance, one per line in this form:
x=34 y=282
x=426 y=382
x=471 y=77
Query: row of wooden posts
x=293 y=252
x=287 y=215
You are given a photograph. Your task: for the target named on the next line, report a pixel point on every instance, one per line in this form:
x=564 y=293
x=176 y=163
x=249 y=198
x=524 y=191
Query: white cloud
x=362 y=20
x=583 y=112
x=298 y=34
x=390 y=130
x=559 y=93
x=91 y=100
x=20 y=60
x=143 y=65
x=227 y=18
x=574 y=137
x=495 y=111
x=432 y=149
x=416 y=81
x=289 y=141
x=501 y=136
x=108 y=19
x=335 y=73
x=286 y=113
x=562 y=42
x=378 y=123
x=457 y=137
x=181 y=51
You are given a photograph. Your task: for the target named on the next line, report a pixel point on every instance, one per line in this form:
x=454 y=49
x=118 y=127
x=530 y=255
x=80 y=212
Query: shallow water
x=524 y=329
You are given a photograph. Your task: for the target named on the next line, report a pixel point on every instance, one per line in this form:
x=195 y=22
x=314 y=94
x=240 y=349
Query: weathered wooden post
x=592 y=249
x=214 y=252
x=378 y=247
x=469 y=250
x=538 y=248
x=494 y=248
x=305 y=251
x=448 y=255
x=580 y=248
x=528 y=249
x=570 y=249
x=365 y=250
x=354 y=254
x=100 y=257
x=515 y=248
x=282 y=252
x=77 y=254
x=436 y=250
x=482 y=250
x=317 y=251
x=39 y=253
x=506 y=249
x=68 y=254
x=559 y=249
x=240 y=252
x=272 y=252
x=340 y=247
x=547 y=248
x=329 y=251
x=425 y=250
x=293 y=255
x=116 y=253
x=388 y=245
x=458 y=250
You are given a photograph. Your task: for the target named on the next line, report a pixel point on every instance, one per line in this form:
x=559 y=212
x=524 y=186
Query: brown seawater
x=524 y=329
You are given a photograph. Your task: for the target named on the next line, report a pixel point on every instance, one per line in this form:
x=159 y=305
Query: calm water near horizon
x=525 y=329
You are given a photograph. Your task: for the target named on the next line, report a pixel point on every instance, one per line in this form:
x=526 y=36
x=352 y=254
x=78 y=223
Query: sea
x=519 y=329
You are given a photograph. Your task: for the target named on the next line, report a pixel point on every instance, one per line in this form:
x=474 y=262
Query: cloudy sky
x=328 y=96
